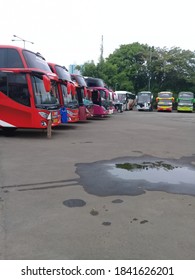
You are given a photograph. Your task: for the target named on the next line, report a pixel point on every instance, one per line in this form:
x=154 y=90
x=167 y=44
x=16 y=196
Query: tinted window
x=165 y=94
x=186 y=94
x=15 y=86
x=144 y=97
x=36 y=61
x=10 y=58
x=130 y=96
x=63 y=74
x=102 y=93
x=44 y=99
x=80 y=80
x=94 y=82
x=3 y=83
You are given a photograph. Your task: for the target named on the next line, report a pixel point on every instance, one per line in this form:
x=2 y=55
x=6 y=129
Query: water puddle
x=136 y=175
x=117 y=201
x=106 y=223
x=74 y=203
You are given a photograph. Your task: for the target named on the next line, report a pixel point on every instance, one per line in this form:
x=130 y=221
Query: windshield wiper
x=48 y=107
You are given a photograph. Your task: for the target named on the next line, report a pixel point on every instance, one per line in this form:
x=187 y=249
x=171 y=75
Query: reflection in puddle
x=146 y=165
x=136 y=175
x=153 y=172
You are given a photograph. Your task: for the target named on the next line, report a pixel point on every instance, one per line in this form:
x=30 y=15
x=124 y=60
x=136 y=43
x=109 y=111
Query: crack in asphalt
x=39 y=185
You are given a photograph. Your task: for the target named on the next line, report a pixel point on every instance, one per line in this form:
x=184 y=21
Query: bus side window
x=3 y=83
x=13 y=59
x=10 y=58
x=18 y=89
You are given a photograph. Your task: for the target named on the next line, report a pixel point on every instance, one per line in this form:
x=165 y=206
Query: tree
x=89 y=69
x=135 y=67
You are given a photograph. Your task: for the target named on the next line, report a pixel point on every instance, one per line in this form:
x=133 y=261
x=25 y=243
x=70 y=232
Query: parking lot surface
x=52 y=206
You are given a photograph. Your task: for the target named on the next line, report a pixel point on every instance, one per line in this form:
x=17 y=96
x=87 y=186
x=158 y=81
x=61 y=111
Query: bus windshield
x=165 y=95
x=165 y=102
x=69 y=101
x=80 y=80
x=94 y=82
x=44 y=99
x=62 y=73
x=122 y=97
x=103 y=94
x=187 y=95
x=36 y=61
x=186 y=101
x=144 y=97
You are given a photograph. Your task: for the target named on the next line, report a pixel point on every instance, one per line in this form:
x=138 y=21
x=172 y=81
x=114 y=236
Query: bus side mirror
x=69 y=88
x=89 y=93
x=85 y=92
x=73 y=89
x=99 y=96
x=47 y=83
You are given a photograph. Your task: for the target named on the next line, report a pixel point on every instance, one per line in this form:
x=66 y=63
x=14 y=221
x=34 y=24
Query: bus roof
x=17 y=57
x=122 y=92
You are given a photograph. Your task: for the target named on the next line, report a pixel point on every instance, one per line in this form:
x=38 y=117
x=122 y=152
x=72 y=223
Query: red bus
x=28 y=91
x=84 y=96
x=67 y=94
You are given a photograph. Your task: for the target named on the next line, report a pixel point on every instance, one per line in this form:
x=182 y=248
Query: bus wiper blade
x=54 y=107
x=48 y=107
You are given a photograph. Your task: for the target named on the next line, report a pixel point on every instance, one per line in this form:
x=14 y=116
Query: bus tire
x=9 y=131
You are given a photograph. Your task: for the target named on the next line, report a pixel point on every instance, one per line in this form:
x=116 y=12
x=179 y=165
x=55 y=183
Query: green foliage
x=90 y=69
x=135 y=67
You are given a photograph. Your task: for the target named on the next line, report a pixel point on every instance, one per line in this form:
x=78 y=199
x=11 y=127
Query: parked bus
x=144 y=101
x=126 y=98
x=84 y=96
x=165 y=101
x=103 y=105
x=67 y=91
x=28 y=91
x=185 y=101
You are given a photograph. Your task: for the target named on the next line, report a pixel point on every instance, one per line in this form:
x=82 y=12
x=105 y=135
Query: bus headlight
x=43 y=115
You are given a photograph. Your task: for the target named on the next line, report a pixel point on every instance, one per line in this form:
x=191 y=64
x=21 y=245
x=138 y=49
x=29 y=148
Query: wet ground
x=136 y=175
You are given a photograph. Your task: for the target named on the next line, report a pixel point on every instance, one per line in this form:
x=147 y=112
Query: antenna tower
x=102 y=49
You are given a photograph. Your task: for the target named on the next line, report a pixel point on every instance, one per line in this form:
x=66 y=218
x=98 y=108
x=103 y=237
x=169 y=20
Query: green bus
x=185 y=101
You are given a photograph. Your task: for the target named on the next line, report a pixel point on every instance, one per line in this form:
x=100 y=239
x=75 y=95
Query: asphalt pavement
x=55 y=205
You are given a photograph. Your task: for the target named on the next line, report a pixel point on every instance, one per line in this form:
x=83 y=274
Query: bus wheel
x=9 y=131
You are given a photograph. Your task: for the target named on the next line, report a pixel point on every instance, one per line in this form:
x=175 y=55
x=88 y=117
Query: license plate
x=55 y=120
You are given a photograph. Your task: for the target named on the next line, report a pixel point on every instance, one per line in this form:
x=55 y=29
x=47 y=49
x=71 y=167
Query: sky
x=70 y=31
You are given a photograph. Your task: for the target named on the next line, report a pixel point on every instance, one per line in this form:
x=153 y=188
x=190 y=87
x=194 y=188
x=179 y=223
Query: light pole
x=20 y=39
